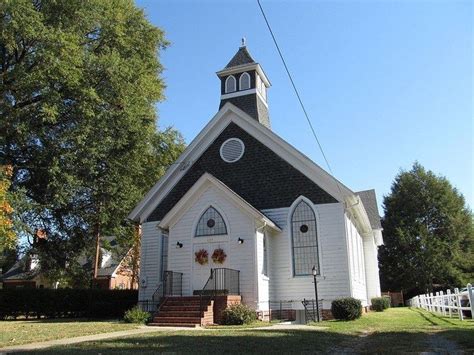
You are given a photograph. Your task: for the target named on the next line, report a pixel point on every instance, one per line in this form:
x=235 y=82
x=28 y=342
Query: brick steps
x=184 y=311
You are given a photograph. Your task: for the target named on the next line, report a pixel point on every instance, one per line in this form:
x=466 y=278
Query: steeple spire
x=244 y=84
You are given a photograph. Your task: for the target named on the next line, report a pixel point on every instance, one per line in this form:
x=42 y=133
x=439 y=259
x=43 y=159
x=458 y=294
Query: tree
x=428 y=234
x=79 y=81
x=7 y=234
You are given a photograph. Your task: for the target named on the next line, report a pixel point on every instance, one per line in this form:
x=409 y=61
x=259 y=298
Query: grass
x=30 y=331
x=403 y=330
x=397 y=330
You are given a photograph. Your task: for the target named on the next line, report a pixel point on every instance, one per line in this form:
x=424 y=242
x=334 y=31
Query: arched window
x=230 y=84
x=304 y=240
x=244 y=81
x=210 y=223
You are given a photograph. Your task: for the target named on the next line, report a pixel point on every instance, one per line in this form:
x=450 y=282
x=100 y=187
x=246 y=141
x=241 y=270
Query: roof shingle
x=369 y=200
x=241 y=57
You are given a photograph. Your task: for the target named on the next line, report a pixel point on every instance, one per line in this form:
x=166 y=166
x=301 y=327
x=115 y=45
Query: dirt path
x=366 y=342
x=439 y=345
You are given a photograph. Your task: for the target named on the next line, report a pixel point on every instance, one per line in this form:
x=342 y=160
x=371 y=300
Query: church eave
x=230 y=113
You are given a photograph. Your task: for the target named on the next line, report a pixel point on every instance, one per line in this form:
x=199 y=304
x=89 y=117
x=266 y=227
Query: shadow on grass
x=436 y=316
x=423 y=315
x=63 y=320
x=253 y=341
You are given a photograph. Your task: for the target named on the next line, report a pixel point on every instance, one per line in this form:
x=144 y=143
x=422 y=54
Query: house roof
x=18 y=271
x=241 y=57
x=199 y=187
x=369 y=200
x=227 y=114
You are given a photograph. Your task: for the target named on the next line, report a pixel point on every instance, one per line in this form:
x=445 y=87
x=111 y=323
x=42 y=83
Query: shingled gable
x=307 y=170
x=204 y=182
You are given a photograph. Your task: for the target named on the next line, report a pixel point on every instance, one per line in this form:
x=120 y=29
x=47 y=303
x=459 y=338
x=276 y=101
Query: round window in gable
x=304 y=228
x=232 y=150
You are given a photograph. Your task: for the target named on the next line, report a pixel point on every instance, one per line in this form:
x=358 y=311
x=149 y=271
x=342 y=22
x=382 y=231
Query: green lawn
x=22 y=332
x=393 y=331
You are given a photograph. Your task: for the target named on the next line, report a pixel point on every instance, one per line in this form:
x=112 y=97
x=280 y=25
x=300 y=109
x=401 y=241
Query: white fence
x=446 y=303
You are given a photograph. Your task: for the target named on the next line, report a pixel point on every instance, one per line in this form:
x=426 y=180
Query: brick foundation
x=221 y=303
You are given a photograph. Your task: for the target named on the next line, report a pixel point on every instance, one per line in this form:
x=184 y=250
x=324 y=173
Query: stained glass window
x=211 y=223
x=304 y=240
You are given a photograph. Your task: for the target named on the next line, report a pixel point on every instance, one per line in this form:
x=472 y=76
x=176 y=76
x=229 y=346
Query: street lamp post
x=315 y=272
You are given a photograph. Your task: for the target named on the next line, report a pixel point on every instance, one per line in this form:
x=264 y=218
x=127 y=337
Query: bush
x=49 y=303
x=379 y=304
x=346 y=308
x=136 y=315
x=238 y=314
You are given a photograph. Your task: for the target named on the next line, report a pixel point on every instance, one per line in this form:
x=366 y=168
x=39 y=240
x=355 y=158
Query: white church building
x=243 y=203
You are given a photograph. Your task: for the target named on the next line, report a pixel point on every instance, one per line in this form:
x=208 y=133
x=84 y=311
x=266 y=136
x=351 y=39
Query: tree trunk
x=97 y=250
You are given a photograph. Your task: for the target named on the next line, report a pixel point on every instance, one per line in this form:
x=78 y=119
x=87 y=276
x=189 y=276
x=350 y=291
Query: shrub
x=379 y=304
x=136 y=315
x=346 y=308
x=238 y=314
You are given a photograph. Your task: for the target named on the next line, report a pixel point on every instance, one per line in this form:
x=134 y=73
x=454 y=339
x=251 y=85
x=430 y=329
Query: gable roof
x=369 y=200
x=198 y=188
x=227 y=114
x=241 y=57
x=19 y=271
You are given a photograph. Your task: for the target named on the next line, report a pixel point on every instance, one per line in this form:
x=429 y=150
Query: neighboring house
x=25 y=273
x=112 y=273
x=241 y=190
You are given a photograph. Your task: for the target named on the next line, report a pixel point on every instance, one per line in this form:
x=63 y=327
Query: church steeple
x=244 y=84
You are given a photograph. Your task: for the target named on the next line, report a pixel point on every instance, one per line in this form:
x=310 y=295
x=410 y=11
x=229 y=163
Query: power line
x=298 y=95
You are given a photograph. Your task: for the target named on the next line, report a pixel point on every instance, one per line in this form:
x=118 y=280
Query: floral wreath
x=219 y=256
x=201 y=257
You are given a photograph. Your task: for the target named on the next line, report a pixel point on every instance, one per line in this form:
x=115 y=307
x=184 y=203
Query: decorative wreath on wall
x=201 y=257
x=219 y=256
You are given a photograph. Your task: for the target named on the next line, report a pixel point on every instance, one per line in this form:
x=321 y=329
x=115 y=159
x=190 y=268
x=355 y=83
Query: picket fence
x=446 y=302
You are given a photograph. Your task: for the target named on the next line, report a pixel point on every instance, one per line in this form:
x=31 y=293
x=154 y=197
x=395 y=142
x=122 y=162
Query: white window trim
x=196 y=222
x=240 y=81
x=219 y=209
x=235 y=84
x=290 y=244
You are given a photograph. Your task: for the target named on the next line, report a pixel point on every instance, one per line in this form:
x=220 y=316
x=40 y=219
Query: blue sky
x=386 y=83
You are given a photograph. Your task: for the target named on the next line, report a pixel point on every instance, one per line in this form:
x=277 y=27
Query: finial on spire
x=243 y=42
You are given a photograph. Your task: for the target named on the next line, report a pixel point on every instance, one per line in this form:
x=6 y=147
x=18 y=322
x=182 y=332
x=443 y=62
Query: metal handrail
x=314 y=316
x=158 y=289
x=220 y=281
x=168 y=287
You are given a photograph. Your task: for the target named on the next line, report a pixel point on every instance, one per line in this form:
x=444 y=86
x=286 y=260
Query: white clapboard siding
x=150 y=260
x=239 y=256
x=371 y=268
x=356 y=262
x=263 y=280
x=334 y=281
